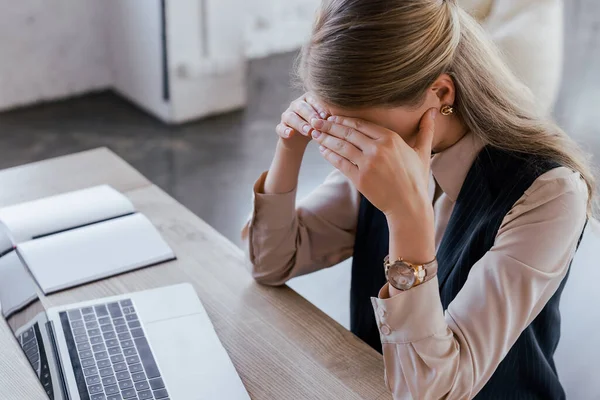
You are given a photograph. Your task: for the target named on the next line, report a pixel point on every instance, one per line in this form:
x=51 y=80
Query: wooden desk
x=281 y=345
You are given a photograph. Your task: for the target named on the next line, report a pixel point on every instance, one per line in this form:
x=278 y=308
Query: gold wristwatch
x=404 y=275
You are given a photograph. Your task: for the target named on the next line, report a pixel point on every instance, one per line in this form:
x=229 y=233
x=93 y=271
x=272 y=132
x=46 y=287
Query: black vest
x=493 y=185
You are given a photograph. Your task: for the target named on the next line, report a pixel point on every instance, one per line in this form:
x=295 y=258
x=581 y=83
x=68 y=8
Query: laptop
x=155 y=344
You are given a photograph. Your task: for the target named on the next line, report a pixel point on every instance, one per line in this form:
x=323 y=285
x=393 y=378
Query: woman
x=461 y=205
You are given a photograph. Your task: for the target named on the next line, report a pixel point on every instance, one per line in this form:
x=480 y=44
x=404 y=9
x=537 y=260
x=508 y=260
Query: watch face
x=401 y=276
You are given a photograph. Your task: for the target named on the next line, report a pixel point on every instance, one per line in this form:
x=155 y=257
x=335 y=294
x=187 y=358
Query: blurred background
x=190 y=91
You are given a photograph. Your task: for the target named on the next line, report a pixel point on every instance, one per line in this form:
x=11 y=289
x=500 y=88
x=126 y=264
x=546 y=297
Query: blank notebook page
x=94 y=252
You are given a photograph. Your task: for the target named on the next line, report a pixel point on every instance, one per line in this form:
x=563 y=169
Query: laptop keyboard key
x=104 y=320
x=98 y=347
x=95 y=389
x=91 y=325
x=120 y=367
x=112 y=343
x=83 y=346
x=132 y=360
x=106 y=372
x=88 y=362
x=77 y=324
x=114 y=397
x=90 y=371
x=110 y=335
x=109 y=381
x=122 y=328
x=85 y=354
x=94 y=332
x=147 y=357
x=115 y=310
x=96 y=339
x=135 y=368
x=161 y=394
x=101 y=310
x=126 y=303
x=145 y=395
x=79 y=331
x=138 y=376
x=157 y=383
x=99 y=396
x=81 y=339
x=122 y=375
x=87 y=310
x=92 y=380
x=119 y=321
x=124 y=336
x=136 y=333
x=114 y=351
x=127 y=343
x=117 y=358
x=111 y=389
x=101 y=355
x=106 y=328
x=125 y=384
x=128 y=393
x=134 y=324
x=130 y=351
x=74 y=315
x=89 y=317
x=103 y=364
x=142 y=385
x=131 y=317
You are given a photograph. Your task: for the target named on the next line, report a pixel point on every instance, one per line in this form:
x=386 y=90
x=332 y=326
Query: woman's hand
x=294 y=128
x=294 y=135
x=393 y=176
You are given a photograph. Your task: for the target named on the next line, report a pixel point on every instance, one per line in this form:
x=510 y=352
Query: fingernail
x=288 y=132
x=434 y=114
x=316 y=123
x=306 y=128
x=316 y=134
x=321 y=149
x=323 y=115
x=331 y=119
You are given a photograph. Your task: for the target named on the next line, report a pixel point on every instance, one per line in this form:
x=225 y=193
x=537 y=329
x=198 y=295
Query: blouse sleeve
x=285 y=241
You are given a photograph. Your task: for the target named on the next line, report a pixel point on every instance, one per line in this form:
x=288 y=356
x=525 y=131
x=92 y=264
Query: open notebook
x=78 y=237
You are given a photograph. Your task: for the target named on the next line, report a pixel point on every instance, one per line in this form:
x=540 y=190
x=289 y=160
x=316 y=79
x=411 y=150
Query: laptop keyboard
x=111 y=357
x=33 y=346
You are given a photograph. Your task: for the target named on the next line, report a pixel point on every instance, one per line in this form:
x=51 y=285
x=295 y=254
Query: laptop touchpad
x=192 y=360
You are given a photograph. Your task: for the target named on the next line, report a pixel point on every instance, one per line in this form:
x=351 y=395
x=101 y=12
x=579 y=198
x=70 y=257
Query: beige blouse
x=429 y=353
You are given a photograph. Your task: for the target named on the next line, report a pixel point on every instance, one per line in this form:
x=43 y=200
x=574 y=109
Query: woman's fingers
x=294 y=121
x=345 y=166
x=284 y=131
x=338 y=146
x=321 y=110
x=424 y=141
x=346 y=133
x=306 y=112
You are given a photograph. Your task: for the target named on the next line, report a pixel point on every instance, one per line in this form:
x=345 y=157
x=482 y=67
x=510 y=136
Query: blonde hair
x=374 y=53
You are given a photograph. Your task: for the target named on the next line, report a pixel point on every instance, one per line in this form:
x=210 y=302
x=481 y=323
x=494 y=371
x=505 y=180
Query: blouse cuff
x=273 y=211
x=410 y=316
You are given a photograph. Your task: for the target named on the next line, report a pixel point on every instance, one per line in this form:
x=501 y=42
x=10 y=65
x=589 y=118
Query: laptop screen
x=25 y=315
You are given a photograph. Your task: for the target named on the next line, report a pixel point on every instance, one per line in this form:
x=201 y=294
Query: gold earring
x=447 y=110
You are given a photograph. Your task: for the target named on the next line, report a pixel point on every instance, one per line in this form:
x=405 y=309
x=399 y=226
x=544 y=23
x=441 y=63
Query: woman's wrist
x=285 y=168
x=412 y=239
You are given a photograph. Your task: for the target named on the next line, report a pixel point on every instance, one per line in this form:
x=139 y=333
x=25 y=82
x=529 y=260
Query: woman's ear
x=444 y=89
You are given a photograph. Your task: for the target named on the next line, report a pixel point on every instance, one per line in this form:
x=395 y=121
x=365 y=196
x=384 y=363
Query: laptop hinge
x=59 y=364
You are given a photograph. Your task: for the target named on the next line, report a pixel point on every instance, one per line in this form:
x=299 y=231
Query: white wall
x=54 y=49
x=51 y=49
x=275 y=26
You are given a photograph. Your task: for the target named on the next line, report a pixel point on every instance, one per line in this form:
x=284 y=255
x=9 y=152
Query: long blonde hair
x=374 y=53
